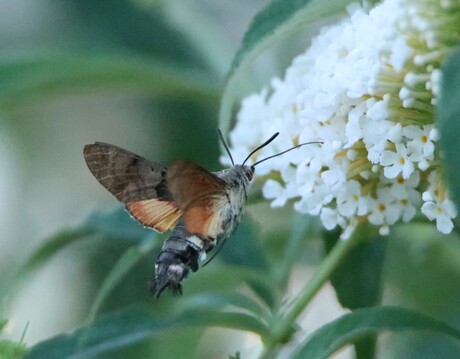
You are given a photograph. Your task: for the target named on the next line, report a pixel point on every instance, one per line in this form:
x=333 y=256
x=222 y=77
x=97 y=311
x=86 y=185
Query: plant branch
x=283 y=327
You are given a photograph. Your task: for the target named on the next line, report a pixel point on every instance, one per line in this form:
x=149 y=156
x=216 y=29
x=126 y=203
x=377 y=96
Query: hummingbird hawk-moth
x=202 y=208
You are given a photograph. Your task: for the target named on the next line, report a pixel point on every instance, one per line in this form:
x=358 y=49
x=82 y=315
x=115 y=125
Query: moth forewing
x=128 y=176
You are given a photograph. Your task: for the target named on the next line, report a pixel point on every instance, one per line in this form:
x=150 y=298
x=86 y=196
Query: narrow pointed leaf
x=116 y=223
x=448 y=115
x=28 y=76
x=127 y=261
x=45 y=252
x=131 y=326
x=218 y=300
x=362 y=322
x=358 y=279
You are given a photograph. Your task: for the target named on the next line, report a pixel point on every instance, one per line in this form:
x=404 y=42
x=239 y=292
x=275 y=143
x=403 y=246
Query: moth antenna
x=290 y=149
x=221 y=138
x=261 y=146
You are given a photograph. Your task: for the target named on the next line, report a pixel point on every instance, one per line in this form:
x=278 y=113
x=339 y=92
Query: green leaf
x=217 y=300
x=106 y=334
x=278 y=20
x=3 y=322
x=127 y=261
x=133 y=326
x=302 y=228
x=11 y=350
x=362 y=322
x=44 y=253
x=358 y=279
x=448 y=115
x=226 y=278
x=244 y=248
x=204 y=34
x=116 y=223
x=238 y=321
x=30 y=75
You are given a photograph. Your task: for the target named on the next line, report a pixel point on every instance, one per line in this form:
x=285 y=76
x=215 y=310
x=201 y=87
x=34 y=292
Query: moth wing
x=154 y=213
x=137 y=182
x=201 y=196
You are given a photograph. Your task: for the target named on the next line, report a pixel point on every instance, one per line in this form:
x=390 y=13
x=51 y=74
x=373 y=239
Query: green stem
x=283 y=327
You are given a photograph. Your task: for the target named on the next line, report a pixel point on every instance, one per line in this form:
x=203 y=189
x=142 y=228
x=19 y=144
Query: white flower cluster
x=367 y=89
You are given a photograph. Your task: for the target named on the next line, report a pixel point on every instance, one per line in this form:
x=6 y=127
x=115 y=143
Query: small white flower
x=421 y=146
x=401 y=188
x=397 y=162
x=385 y=210
x=273 y=190
x=442 y=213
x=350 y=201
x=331 y=218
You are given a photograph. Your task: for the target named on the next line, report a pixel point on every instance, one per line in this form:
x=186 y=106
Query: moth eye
x=250 y=173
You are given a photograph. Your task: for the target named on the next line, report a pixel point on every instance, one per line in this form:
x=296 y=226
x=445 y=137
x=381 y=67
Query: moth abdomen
x=178 y=257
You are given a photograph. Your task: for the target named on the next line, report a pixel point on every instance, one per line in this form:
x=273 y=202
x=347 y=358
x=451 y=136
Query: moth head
x=245 y=170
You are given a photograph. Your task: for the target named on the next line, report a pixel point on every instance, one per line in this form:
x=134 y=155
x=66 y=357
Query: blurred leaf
x=243 y=248
x=45 y=252
x=236 y=356
x=265 y=292
x=353 y=326
x=448 y=114
x=239 y=321
x=365 y=348
x=128 y=260
x=358 y=279
x=129 y=327
x=126 y=24
x=26 y=76
x=218 y=300
x=111 y=225
x=11 y=350
x=302 y=227
x=105 y=334
x=203 y=33
x=421 y=264
x=116 y=223
x=278 y=20
x=225 y=278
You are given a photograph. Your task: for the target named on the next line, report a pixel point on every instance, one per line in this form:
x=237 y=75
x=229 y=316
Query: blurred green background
x=147 y=75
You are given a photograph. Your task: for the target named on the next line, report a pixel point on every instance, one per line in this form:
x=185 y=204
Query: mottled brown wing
x=135 y=181
x=200 y=195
